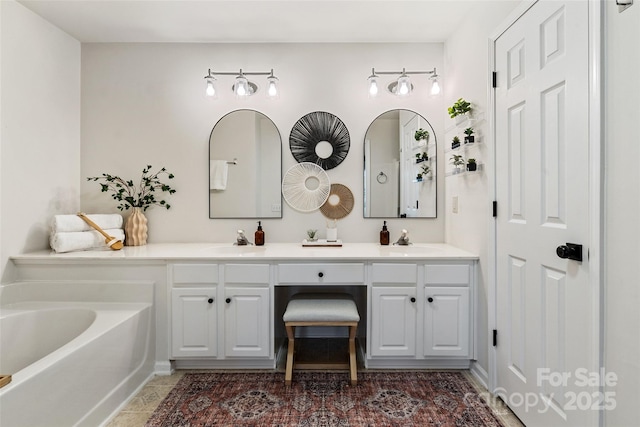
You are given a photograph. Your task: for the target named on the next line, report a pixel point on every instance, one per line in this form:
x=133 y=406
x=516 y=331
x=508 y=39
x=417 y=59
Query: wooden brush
x=112 y=242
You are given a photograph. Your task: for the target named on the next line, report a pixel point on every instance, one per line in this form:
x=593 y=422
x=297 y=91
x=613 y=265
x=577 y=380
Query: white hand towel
x=218 y=173
x=70 y=223
x=83 y=240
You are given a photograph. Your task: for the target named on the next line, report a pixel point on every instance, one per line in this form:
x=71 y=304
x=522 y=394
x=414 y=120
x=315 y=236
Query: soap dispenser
x=384 y=234
x=259 y=237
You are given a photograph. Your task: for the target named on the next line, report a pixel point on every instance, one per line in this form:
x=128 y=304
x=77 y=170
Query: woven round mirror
x=305 y=186
x=339 y=203
x=320 y=138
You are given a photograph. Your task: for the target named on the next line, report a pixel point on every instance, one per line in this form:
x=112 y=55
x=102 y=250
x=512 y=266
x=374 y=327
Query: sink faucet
x=241 y=239
x=404 y=238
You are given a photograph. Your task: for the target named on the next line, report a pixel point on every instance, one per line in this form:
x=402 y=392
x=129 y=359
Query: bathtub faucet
x=404 y=238
x=241 y=239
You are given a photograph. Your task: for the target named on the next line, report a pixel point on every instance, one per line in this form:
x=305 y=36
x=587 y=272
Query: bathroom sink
x=236 y=250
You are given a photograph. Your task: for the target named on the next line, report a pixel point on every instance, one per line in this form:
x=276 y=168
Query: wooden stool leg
x=352 y=355
x=289 y=369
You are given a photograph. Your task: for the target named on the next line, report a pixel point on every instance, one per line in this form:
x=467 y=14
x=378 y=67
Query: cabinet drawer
x=246 y=273
x=394 y=273
x=447 y=274
x=194 y=273
x=321 y=273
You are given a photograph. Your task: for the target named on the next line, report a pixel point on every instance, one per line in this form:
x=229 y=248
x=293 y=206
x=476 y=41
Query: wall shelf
x=465 y=172
x=464 y=147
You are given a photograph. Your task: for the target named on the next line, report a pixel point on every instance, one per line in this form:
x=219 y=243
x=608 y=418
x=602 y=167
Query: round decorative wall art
x=339 y=203
x=319 y=138
x=306 y=186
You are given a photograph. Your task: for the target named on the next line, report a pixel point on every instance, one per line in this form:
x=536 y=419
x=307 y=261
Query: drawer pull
x=321 y=274
x=228 y=300
x=430 y=299
x=210 y=300
x=413 y=299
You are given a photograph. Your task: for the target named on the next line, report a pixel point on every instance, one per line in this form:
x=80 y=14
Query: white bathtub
x=72 y=363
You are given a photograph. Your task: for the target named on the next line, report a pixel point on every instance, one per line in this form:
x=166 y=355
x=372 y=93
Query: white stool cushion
x=321 y=308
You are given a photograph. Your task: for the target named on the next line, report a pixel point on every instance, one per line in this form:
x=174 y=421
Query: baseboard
x=479 y=373
x=163 y=368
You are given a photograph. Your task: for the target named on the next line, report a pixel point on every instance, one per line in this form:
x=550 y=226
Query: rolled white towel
x=82 y=240
x=70 y=223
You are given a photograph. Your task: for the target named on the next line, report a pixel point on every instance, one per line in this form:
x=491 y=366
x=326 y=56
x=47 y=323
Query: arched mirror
x=400 y=179
x=245 y=167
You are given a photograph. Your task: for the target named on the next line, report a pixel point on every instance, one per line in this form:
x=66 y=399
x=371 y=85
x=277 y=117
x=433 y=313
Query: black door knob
x=210 y=300
x=321 y=274
x=228 y=300
x=430 y=299
x=570 y=251
x=413 y=299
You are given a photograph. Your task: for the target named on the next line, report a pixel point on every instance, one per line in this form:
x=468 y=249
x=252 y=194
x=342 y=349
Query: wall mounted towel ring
x=339 y=203
x=319 y=138
x=306 y=186
x=382 y=178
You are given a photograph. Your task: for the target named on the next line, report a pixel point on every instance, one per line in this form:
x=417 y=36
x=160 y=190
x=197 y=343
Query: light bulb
x=242 y=86
x=373 y=86
x=211 y=90
x=404 y=86
x=435 y=87
x=272 y=89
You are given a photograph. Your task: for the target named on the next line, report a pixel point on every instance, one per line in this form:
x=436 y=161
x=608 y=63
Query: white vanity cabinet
x=247 y=310
x=220 y=311
x=447 y=310
x=194 y=313
x=394 y=311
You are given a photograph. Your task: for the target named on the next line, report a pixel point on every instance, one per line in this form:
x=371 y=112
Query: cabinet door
x=393 y=317
x=247 y=321
x=193 y=322
x=446 y=324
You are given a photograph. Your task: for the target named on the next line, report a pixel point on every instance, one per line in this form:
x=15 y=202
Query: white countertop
x=268 y=252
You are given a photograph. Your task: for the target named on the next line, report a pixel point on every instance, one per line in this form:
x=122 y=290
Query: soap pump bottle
x=384 y=234
x=259 y=236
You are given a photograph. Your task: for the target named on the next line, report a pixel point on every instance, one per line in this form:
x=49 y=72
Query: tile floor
x=139 y=409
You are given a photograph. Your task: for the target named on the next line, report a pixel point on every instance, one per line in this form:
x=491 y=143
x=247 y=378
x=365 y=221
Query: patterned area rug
x=381 y=399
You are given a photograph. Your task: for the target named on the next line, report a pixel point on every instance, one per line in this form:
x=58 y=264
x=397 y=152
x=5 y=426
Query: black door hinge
x=494 y=78
x=494 y=209
x=495 y=337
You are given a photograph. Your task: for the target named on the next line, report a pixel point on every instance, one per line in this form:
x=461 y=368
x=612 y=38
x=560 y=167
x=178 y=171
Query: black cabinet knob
x=430 y=299
x=321 y=274
x=413 y=299
x=210 y=300
x=228 y=300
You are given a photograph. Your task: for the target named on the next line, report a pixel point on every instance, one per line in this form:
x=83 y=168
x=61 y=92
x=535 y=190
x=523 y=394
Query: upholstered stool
x=322 y=310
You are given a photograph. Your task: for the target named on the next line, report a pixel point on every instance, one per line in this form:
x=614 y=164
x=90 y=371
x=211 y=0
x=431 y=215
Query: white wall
x=145 y=104
x=622 y=232
x=466 y=71
x=40 y=133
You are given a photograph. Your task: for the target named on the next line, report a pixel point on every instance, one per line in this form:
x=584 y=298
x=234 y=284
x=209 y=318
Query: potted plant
x=139 y=198
x=455 y=142
x=472 y=165
x=311 y=235
x=456 y=161
x=422 y=136
x=419 y=177
x=421 y=157
x=425 y=170
x=460 y=107
x=469 y=138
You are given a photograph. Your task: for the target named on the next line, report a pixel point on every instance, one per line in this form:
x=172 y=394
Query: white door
x=446 y=321
x=393 y=313
x=193 y=322
x=247 y=321
x=544 y=303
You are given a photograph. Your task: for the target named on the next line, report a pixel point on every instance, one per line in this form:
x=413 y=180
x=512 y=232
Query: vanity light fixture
x=402 y=86
x=242 y=87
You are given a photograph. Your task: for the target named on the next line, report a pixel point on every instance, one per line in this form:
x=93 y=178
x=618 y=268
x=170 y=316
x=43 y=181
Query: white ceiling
x=257 y=20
